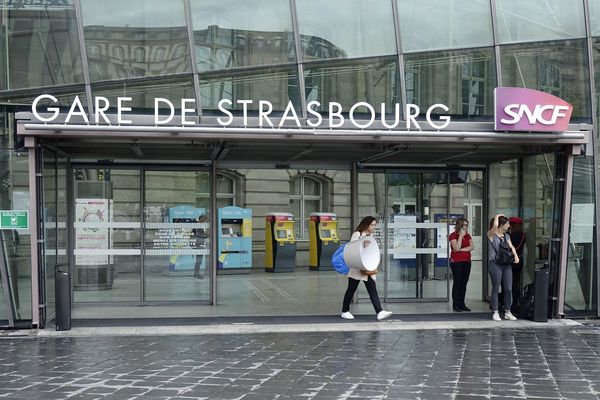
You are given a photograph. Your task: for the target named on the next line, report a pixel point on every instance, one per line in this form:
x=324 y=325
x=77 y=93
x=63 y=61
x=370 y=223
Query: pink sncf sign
x=519 y=109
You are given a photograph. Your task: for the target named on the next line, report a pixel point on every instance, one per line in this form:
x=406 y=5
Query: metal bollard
x=62 y=293
x=541 y=279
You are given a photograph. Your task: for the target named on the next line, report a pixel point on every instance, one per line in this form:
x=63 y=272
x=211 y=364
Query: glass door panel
x=176 y=236
x=106 y=233
x=402 y=277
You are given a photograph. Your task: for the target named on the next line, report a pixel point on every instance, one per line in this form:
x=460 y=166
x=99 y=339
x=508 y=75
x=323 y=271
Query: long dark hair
x=365 y=223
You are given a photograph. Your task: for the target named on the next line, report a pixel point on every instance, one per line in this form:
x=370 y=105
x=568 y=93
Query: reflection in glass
x=345 y=28
x=143 y=93
x=64 y=96
x=177 y=237
x=463 y=80
x=434 y=25
x=559 y=68
x=533 y=20
x=136 y=38
x=16 y=249
x=372 y=81
x=594 y=11
x=233 y=33
x=278 y=86
x=41 y=45
x=581 y=291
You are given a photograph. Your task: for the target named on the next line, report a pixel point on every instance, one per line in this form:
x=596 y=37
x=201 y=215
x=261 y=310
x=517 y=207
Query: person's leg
x=507 y=282
x=456 y=281
x=465 y=279
x=372 y=289
x=496 y=277
x=352 y=285
x=197 y=262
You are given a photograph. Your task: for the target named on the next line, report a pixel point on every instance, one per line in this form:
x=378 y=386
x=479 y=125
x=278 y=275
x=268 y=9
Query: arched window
x=140 y=54
x=305 y=198
x=118 y=52
x=225 y=191
x=228 y=192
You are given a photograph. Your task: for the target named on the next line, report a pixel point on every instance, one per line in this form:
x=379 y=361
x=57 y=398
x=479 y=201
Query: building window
x=227 y=192
x=118 y=53
x=305 y=198
x=140 y=54
x=550 y=79
x=413 y=90
x=473 y=86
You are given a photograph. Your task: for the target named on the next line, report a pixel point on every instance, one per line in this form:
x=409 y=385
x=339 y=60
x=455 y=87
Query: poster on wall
x=582 y=223
x=92 y=212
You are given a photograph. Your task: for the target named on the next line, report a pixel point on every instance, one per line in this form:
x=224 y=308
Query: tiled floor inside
x=302 y=292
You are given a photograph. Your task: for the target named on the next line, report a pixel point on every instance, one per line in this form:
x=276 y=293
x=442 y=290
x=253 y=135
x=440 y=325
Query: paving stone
x=494 y=363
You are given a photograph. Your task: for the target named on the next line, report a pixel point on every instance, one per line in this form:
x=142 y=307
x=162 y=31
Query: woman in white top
x=365 y=228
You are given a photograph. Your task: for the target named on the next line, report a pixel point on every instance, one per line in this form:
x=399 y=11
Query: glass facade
x=297 y=51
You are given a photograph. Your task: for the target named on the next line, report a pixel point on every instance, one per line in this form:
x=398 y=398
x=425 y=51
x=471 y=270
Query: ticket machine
x=182 y=237
x=324 y=240
x=235 y=240
x=280 y=243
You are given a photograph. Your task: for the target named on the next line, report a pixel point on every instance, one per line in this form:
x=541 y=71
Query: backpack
x=525 y=308
x=504 y=255
x=337 y=261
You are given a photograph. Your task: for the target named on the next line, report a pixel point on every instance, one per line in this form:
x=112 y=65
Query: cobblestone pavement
x=548 y=363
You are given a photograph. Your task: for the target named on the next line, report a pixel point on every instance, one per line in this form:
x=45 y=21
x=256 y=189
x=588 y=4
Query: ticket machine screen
x=281 y=234
x=226 y=232
x=326 y=233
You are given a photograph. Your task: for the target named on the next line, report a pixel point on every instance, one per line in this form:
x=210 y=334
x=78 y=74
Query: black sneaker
x=457 y=308
x=465 y=308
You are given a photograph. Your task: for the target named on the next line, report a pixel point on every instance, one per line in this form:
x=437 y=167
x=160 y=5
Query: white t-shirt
x=355 y=273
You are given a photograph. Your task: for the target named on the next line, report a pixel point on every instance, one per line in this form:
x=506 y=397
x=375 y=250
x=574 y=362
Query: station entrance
x=139 y=234
x=164 y=226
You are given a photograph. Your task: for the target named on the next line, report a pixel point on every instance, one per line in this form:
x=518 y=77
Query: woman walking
x=461 y=245
x=500 y=262
x=366 y=227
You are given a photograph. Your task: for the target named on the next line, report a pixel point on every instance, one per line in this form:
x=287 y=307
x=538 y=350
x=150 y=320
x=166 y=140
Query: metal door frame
x=142 y=168
x=386 y=169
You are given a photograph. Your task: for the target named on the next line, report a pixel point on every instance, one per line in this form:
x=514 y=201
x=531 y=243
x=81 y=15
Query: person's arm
x=512 y=248
x=365 y=272
x=492 y=230
x=470 y=247
x=454 y=245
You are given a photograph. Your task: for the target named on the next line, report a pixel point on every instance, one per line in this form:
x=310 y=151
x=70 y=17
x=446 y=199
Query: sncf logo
x=519 y=109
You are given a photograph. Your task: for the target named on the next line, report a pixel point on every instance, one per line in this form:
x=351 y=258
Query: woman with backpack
x=501 y=256
x=366 y=227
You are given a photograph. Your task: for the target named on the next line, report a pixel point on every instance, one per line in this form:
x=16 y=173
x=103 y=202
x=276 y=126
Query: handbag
x=337 y=261
x=504 y=255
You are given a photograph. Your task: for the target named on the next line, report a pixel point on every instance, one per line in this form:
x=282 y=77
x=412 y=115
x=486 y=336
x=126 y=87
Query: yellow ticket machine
x=280 y=243
x=324 y=240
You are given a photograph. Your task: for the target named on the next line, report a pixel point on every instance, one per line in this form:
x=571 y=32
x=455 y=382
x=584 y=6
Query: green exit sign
x=14 y=219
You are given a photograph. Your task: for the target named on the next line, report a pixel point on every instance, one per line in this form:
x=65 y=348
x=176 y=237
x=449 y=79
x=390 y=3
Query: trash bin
x=62 y=297
x=541 y=279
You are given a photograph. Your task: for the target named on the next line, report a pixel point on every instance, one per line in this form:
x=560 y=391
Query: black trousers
x=460 y=276
x=371 y=288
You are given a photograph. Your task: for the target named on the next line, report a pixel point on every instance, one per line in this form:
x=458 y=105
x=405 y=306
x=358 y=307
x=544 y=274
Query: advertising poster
x=92 y=211
x=404 y=238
